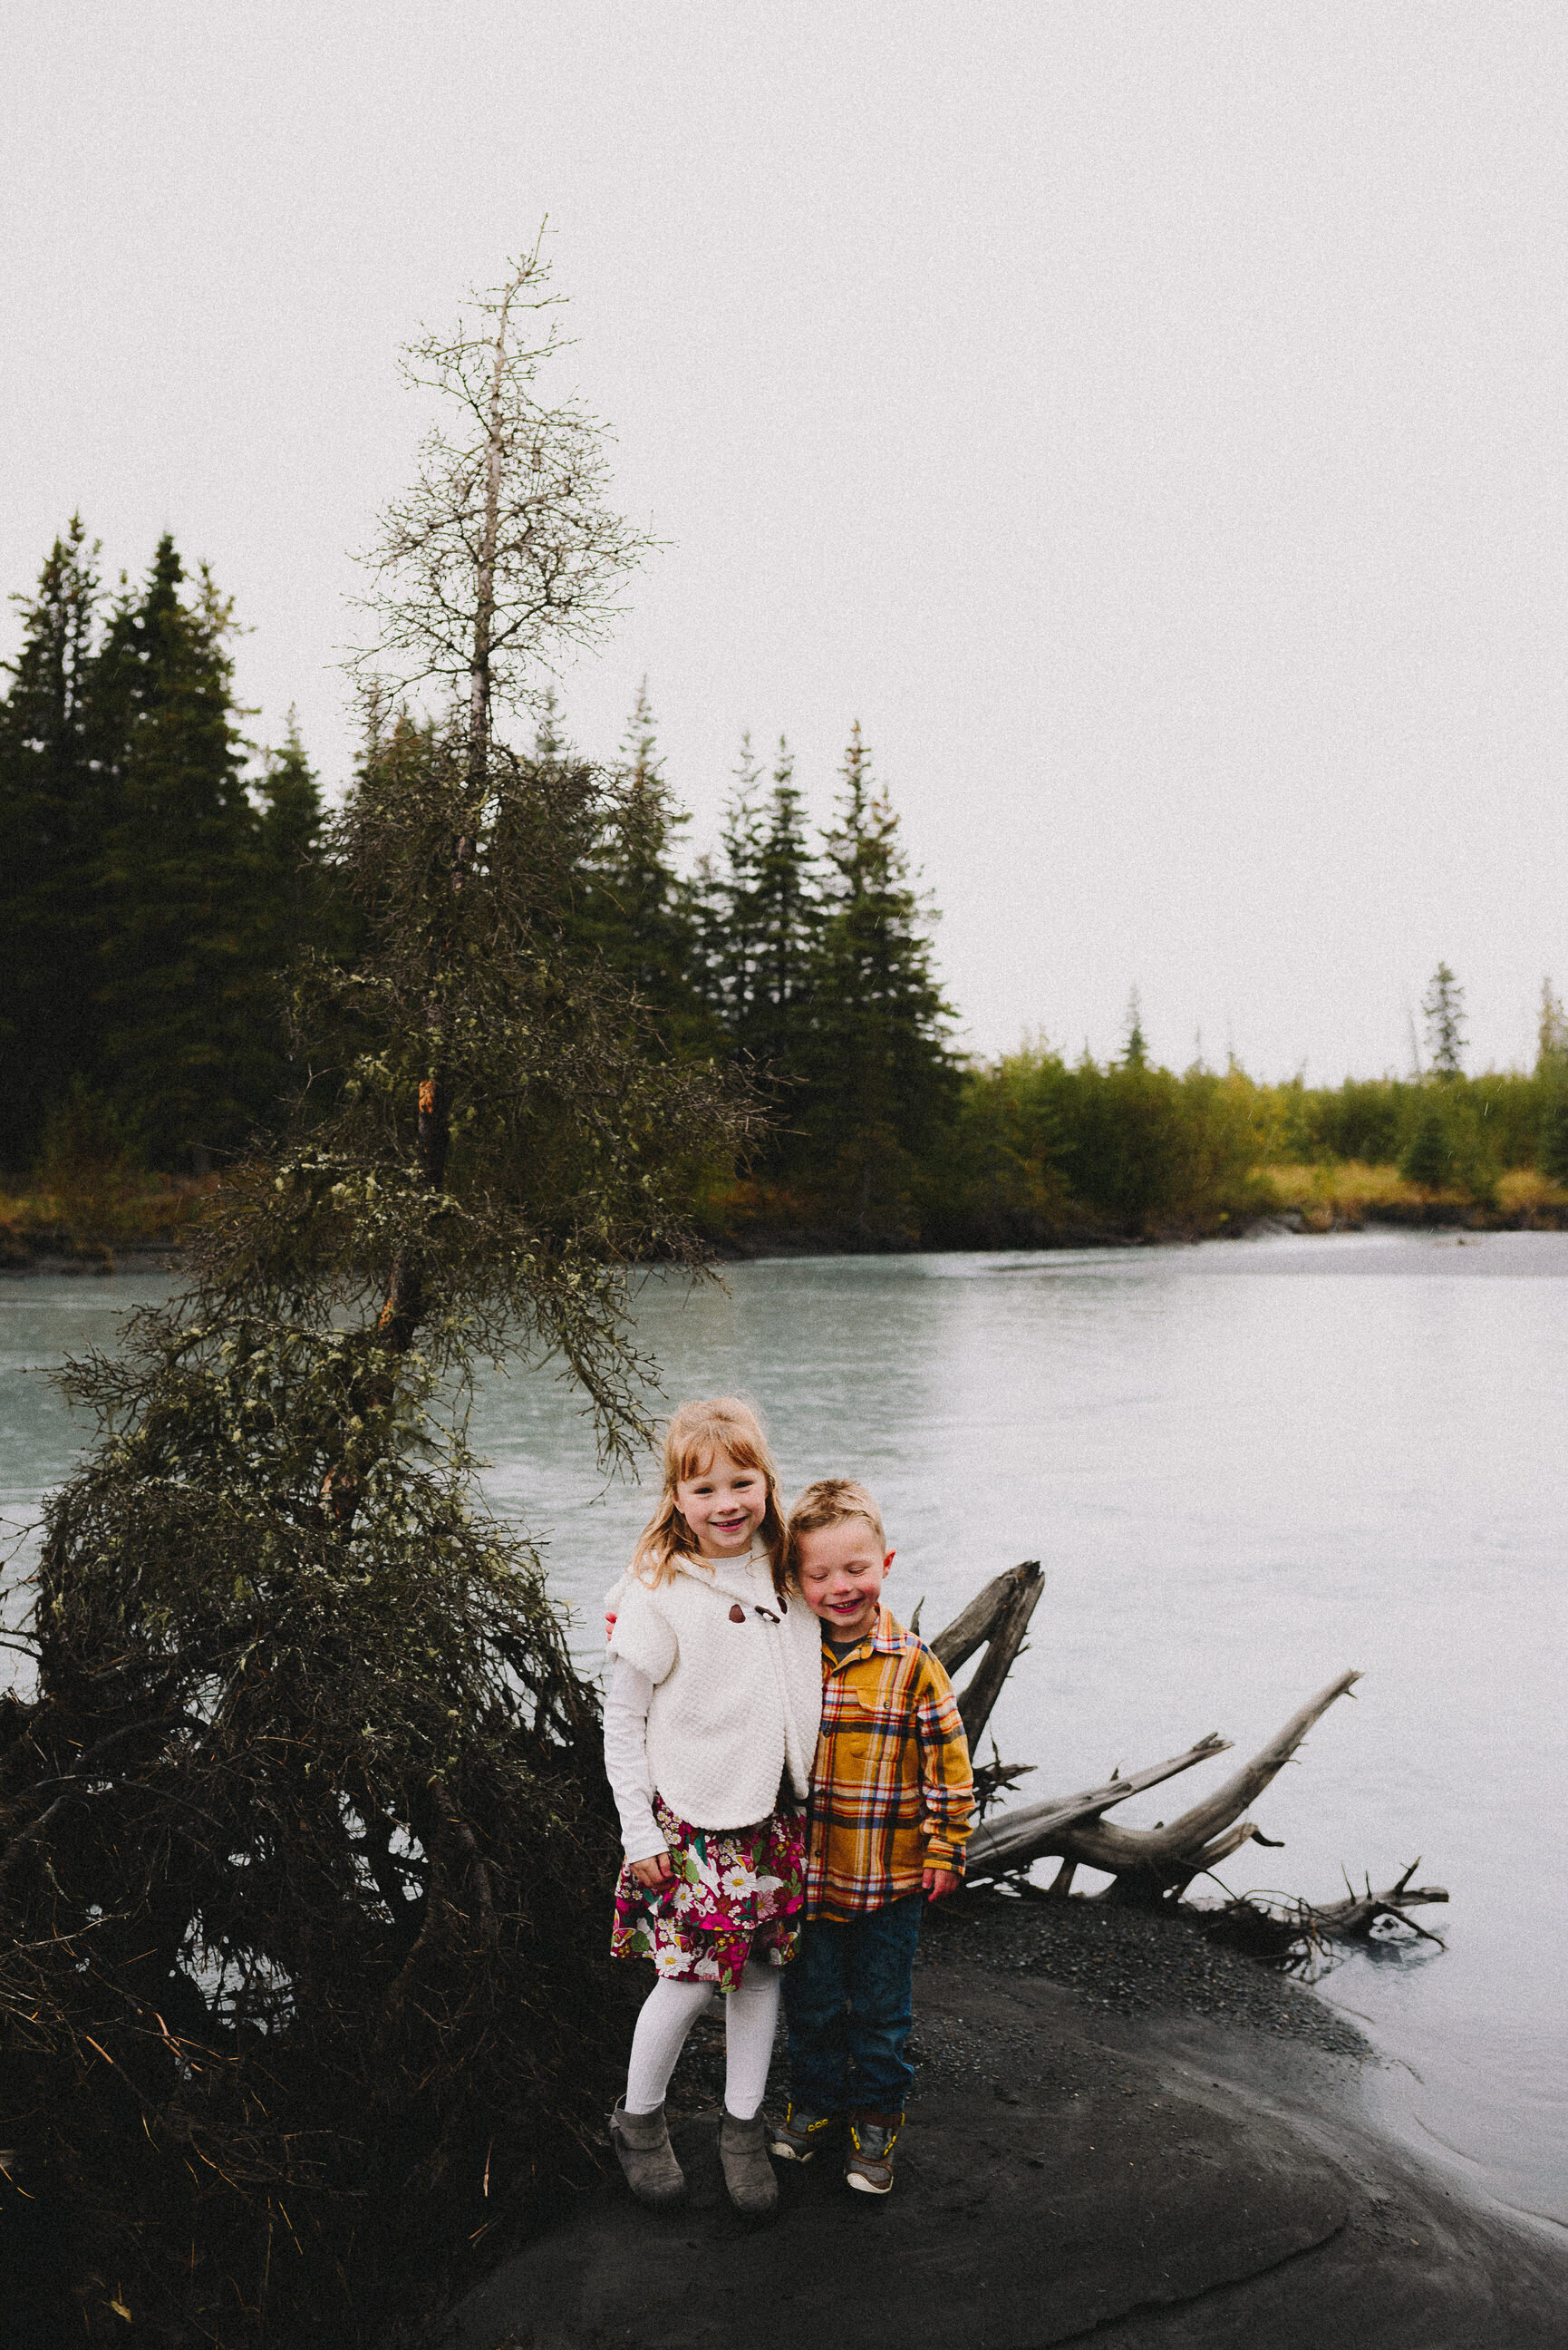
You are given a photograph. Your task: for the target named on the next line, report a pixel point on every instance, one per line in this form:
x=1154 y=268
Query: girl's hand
x=940 y=1882
x=659 y=1871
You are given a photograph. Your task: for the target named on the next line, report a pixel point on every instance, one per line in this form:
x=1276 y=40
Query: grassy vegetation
x=91 y=1194
x=1344 y=1195
x=89 y=1223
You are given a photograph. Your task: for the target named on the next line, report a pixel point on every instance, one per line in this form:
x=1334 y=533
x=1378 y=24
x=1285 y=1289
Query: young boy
x=891 y=1804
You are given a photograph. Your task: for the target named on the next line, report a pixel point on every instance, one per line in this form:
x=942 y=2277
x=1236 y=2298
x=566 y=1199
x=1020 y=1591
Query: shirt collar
x=886 y=1637
x=889 y=1638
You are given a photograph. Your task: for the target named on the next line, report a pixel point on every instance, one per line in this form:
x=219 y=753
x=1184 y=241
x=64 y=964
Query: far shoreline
x=104 y=1257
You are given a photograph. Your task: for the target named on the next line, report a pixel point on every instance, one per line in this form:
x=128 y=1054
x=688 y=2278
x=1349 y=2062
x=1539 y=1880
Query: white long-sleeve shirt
x=628 y=1697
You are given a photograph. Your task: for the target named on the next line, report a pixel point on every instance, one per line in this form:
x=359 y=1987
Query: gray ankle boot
x=647 y=2157
x=748 y=2173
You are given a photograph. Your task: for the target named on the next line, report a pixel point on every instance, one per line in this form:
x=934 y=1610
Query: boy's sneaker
x=872 y=2137
x=802 y=2131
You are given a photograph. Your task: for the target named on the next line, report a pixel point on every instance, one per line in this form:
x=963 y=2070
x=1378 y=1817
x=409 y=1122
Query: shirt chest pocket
x=874 y=1729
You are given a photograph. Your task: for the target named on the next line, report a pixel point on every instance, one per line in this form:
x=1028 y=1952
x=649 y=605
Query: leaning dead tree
x=1146 y=1866
x=306 y=2008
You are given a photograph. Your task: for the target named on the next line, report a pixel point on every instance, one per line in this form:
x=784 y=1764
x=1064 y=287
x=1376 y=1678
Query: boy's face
x=842 y=1571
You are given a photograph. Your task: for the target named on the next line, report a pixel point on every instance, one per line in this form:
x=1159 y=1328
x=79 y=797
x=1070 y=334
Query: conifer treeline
x=809 y=961
x=158 y=877
x=149 y=888
x=154 y=890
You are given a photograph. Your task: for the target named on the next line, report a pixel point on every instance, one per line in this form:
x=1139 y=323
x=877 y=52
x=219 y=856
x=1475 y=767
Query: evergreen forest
x=164 y=882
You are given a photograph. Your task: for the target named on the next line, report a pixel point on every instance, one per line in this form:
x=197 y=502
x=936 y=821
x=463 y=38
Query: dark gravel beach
x=1120 y=2129
x=1122 y=1963
x=1129 y=1962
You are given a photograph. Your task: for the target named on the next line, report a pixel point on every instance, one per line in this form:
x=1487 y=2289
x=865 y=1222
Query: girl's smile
x=723 y=1505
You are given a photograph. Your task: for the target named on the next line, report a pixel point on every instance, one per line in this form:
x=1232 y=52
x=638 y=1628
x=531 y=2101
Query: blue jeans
x=848 y=1995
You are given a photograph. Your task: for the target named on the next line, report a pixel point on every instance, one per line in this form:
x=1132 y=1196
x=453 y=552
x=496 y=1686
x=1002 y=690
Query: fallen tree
x=1146 y=1867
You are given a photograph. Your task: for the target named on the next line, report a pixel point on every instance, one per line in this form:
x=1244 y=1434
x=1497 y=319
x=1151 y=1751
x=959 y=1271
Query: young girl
x=711 y=1722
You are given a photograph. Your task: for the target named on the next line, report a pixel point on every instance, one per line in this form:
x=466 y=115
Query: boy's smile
x=842 y=1570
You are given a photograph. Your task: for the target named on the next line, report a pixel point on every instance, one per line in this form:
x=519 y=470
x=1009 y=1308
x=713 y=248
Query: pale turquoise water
x=1244 y=1467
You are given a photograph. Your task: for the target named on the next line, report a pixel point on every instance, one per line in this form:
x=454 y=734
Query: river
x=1244 y=1467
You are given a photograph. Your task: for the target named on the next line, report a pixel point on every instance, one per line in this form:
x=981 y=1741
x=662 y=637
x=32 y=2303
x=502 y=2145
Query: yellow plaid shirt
x=891 y=1791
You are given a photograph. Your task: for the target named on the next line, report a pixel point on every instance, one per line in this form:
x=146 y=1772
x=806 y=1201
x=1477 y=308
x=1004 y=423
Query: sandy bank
x=1119 y=2130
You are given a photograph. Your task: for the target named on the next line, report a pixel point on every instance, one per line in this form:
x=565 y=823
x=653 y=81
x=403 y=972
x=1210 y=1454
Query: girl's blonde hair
x=696 y=1433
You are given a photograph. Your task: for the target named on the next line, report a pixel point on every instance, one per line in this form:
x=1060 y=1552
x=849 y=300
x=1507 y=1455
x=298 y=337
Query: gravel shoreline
x=1120 y=1962
x=1128 y=1963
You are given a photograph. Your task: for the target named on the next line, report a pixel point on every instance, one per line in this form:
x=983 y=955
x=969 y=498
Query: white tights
x=671 y=2008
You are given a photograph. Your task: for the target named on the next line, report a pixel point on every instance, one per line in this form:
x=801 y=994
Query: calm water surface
x=1244 y=1467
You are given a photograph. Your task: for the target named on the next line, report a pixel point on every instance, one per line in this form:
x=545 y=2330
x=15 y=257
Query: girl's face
x=723 y=1504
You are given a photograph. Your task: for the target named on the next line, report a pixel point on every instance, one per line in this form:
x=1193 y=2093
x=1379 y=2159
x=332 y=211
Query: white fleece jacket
x=737 y=1686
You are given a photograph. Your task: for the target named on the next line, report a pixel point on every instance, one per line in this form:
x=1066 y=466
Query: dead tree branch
x=1352 y=1921
x=997 y=1619
x=1148 y=1864
x=1027 y=1834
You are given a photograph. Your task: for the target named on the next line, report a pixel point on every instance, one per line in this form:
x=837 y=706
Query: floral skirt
x=738 y=1894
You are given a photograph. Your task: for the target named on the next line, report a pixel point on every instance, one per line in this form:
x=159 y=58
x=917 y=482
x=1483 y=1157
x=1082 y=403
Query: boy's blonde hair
x=696 y=1433
x=831 y=1501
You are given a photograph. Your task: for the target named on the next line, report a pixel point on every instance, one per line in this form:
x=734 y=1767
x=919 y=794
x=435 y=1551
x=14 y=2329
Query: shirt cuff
x=650 y=1846
x=944 y=1856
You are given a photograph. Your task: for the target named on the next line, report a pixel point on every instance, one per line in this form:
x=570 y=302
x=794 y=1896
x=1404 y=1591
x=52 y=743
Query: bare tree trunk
x=484 y=599
x=972 y=1625
x=1146 y=1866
x=1025 y=1834
x=404 y=1308
x=998 y=1618
x=1006 y=1644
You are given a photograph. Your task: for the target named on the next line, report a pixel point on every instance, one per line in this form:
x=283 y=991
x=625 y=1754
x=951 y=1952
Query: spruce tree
x=773 y=900
x=1135 y=1050
x=1551 y=1150
x=1443 y=1010
x=295 y=881
x=641 y=914
x=298 y=903
x=52 y=813
x=761 y=919
x=727 y=901
x=1552 y=1033
x=1427 y=1157
x=788 y=924
x=188 y=1046
x=1551 y=1074
x=882 y=1082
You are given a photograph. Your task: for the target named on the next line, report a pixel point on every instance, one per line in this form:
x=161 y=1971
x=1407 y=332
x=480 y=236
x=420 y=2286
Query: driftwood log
x=1354 y=1919
x=1146 y=1866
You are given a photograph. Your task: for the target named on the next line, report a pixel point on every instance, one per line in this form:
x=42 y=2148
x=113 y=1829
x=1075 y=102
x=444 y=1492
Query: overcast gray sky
x=1147 y=420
